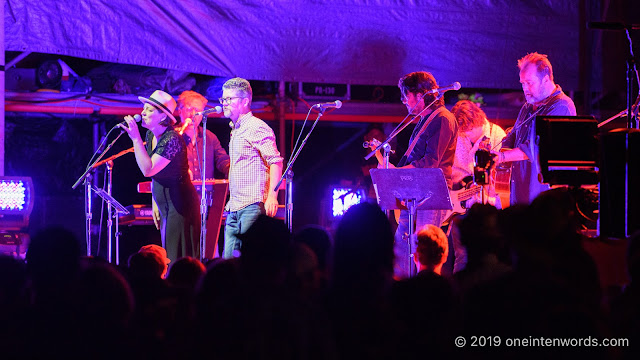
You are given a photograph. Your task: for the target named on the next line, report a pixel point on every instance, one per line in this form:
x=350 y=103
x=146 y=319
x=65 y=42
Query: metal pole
x=282 y=136
x=281 y=117
x=117 y=218
x=287 y=171
x=385 y=153
x=289 y=200
x=87 y=212
x=411 y=205
x=203 y=190
x=109 y=167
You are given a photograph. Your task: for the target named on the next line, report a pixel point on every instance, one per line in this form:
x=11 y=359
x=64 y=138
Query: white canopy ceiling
x=475 y=42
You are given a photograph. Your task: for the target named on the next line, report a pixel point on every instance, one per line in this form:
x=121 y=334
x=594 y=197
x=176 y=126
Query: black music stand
x=412 y=190
x=113 y=203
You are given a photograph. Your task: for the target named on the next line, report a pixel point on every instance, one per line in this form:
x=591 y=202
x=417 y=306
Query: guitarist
x=543 y=97
x=474 y=130
x=432 y=145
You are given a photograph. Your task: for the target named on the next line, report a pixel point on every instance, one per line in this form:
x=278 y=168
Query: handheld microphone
x=136 y=117
x=184 y=126
x=334 y=104
x=454 y=86
x=217 y=110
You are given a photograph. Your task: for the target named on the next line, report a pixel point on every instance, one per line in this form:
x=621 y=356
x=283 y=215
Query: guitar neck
x=469 y=193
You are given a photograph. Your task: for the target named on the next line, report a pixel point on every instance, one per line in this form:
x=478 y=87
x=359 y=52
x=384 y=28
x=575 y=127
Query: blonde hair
x=468 y=115
x=541 y=62
x=189 y=96
x=433 y=245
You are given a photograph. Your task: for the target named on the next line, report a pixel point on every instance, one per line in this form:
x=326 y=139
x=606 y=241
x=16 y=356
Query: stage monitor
x=568 y=149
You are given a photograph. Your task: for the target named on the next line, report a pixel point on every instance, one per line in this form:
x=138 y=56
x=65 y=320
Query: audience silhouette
x=426 y=304
x=322 y=295
x=359 y=297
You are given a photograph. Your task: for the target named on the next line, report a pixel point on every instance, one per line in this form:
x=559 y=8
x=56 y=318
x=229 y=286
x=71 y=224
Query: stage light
x=49 y=75
x=16 y=204
x=16 y=195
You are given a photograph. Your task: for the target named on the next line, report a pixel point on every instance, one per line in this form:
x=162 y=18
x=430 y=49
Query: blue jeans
x=238 y=222
x=405 y=246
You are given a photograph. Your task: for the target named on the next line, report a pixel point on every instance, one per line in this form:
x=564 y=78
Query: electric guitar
x=459 y=197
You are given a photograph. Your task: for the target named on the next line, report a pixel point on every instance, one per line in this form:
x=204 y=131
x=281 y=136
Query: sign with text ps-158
x=320 y=90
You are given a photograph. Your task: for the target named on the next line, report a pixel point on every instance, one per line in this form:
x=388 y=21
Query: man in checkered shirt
x=256 y=165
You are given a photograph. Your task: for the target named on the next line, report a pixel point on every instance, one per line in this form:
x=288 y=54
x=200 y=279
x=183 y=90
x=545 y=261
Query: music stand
x=112 y=203
x=110 y=200
x=412 y=190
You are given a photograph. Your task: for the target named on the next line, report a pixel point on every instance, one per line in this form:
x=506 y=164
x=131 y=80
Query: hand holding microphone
x=130 y=126
x=187 y=122
x=137 y=118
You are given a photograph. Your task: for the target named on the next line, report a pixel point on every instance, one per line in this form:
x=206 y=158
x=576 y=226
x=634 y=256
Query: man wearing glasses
x=256 y=165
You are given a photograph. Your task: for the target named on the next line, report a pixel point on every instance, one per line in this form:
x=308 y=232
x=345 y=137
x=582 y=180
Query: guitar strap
x=422 y=129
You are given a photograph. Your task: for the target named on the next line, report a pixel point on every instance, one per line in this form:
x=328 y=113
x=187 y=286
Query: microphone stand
x=203 y=190
x=288 y=175
x=399 y=129
x=631 y=114
x=386 y=151
x=621 y=113
x=86 y=177
x=631 y=71
x=411 y=205
x=113 y=157
x=113 y=205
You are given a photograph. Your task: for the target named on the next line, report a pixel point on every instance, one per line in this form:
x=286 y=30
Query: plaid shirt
x=253 y=150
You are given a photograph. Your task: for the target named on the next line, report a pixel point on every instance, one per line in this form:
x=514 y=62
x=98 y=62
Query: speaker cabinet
x=619 y=183
x=136 y=236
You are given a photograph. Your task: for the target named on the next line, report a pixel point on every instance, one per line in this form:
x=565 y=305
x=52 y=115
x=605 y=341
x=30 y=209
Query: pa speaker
x=619 y=183
x=136 y=236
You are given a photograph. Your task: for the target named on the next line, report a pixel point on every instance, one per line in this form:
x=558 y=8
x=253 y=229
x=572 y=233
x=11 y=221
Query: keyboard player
x=189 y=103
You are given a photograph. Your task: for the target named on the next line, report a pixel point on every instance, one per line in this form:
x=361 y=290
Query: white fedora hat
x=163 y=101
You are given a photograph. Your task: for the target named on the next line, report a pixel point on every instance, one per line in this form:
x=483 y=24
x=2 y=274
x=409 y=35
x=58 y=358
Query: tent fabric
x=370 y=42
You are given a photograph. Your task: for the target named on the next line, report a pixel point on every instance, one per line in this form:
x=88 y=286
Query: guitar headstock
x=372 y=144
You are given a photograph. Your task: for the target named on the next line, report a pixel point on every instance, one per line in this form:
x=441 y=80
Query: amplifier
x=14 y=243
